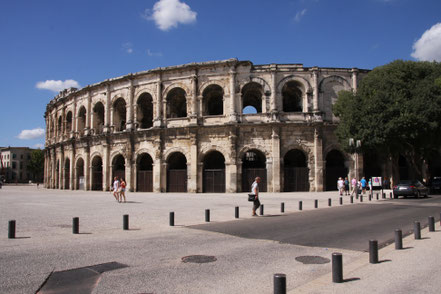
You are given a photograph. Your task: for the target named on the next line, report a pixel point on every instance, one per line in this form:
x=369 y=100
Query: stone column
x=89 y=113
x=192 y=181
x=354 y=79
x=61 y=170
x=158 y=118
x=107 y=120
x=276 y=159
x=63 y=123
x=315 y=90
x=87 y=171
x=130 y=120
x=318 y=160
x=269 y=175
x=106 y=168
x=164 y=167
x=200 y=177
x=74 y=128
x=157 y=164
x=129 y=179
x=231 y=177
x=72 y=169
x=273 y=98
x=194 y=101
x=54 y=165
x=232 y=111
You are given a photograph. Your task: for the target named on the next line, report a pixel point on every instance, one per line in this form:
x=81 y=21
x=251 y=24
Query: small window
x=14 y=155
x=14 y=165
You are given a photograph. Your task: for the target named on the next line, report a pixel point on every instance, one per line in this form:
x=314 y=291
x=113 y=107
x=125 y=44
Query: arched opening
x=98 y=118
x=119 y=167
x=292 y=97
x=80 y=174
x=66 y=173
x=214 y=173
x=213 y=97
x=177 y=173
x=97 y=173
x=403 y=168
x=144 y=113
x=57 y=175
x=335 y=168
x=68 y=122
x=60 y=126
x=296 y=171
x=144 y=167
x=434 y=165
x=81 y=120
x=253 y=165
x=252 y=96
x=176 y=103
x=119 y=115
x=51 y=131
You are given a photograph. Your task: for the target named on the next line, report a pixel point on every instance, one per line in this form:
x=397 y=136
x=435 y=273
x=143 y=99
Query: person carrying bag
x=254 y=196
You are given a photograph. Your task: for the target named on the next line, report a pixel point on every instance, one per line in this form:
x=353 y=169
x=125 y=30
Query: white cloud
x=39 y=146
x=128 y=47
x=155 y=54
x=57 y=86
x=31 y=134
x=168 y=14
x=299 y=15
x=428 y=47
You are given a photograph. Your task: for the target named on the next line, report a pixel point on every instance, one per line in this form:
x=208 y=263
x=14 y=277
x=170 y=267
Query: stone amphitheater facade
x=201 y=127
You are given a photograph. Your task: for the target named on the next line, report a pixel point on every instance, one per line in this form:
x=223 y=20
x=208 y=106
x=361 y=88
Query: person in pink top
x=354 y=186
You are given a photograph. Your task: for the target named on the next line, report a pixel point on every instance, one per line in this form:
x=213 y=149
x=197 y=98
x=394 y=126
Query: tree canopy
x=36 y=164
x=396 y=111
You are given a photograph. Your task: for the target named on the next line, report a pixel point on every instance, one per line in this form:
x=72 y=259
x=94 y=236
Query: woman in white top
x=341 y=186
x=255 y=192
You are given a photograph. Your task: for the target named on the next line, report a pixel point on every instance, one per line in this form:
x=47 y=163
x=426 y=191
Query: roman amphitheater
x=201 y=127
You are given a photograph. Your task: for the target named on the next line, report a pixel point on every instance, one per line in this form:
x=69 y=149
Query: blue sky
x=48 y=44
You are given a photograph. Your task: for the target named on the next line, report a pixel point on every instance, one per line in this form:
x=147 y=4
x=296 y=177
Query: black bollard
x=341 y=200
x=373 y=251
x=361 y=198
x=76 y=225
x=315 y=203
x=377 y=196
x=11 y=229
x=207 y=215
x=279 y=284
x=337 y=268
x=370 y=198
x=282 y=207
x=261 y=209
x=300 y=205
x=384 y=195
x=390 y=195
x=417 y=230
x=431 y=221
x=398 y=240
x=329 y=202
x=352 y=199
x=126 y=222
x=356 y=196
x=172 y=219
x=236 y=212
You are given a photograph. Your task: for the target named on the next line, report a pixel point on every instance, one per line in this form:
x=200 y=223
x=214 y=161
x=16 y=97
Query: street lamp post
x=355 y=146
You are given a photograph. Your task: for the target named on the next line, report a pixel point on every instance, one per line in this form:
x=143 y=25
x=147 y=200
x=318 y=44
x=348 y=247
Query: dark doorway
x=57 y=174
x=292 y=97
x=252 y=96
x=145 y=111
x=335 y=168
x=118 y=167
x=214 y=173
x=119 y=115
x=66 y=174
x=98 y=118
x=80 y=173
x=296 y=172
x=176 y=103
x=253 y=165
x=434 y=163
x=97 y=174
x=177 y=173
x=144 y=179
x=213 y=100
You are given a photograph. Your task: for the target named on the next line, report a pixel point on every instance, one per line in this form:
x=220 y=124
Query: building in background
x=14 y=164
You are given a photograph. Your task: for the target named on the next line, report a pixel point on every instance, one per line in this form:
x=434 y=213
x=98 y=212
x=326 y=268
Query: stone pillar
x=107 y=120
x=275 y=138
x=129 y=178
x=164 y=167
x=318 y=160
x=315 y=90
x=87 y=171
x=54 y=172
x=232 y=111
x=194 y=101
x=158 y=118
x=106 y=168
x=273 y=98
x=157 y=166
x=269 y=175
x=192 y=181
x=61 y=170
x=89 y=113
x=72 y=169
x=200 y=177
x=231 y=177
x=63 y=123
x=130 y=121
x=354 y=79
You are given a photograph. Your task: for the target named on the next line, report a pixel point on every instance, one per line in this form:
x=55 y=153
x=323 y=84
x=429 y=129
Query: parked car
x=435 y=185
x=410 y=188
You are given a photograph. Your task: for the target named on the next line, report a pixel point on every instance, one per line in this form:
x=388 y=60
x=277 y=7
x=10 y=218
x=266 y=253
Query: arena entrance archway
x=253 y=165
x=144 y=178
x=97 y=174
x=296 y=171
x=335 y=168
x=118 y=167
x=57 y=174
x=80 y=174
x=214 y=173
x=66 y=173
x=177 y=173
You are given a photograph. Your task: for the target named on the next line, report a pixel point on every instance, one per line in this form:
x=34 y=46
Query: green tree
x=396 y=111
x=36 y=164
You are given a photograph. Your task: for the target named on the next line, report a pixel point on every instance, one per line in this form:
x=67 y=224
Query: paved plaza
x=152 y=251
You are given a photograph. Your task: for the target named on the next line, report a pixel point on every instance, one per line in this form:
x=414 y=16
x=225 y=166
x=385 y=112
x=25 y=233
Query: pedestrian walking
x=122 y=193
x=354 y=186
x=255 y=192
x=115 y=188
x=340 y=185
x=346 y=186
x=363 y=183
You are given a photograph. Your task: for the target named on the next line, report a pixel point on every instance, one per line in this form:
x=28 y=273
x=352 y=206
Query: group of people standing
x=344 y=185
x=119 y=189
